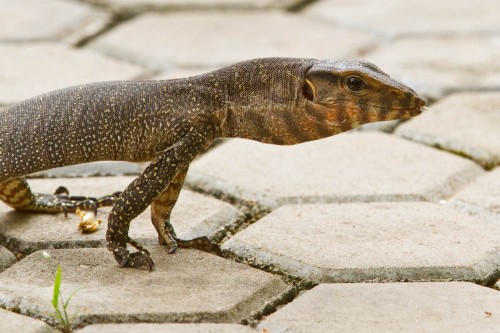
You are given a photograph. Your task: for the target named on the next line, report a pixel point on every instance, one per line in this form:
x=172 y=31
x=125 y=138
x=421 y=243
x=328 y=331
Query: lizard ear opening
x=308 y=91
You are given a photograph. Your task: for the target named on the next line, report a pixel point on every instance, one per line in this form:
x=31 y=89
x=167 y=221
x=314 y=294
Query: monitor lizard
x=282 y=101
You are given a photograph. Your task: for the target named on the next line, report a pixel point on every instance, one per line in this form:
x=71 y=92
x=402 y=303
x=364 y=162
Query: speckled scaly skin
x=281 y=101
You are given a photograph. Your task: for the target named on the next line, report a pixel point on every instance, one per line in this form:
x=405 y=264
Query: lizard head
x=345 y=94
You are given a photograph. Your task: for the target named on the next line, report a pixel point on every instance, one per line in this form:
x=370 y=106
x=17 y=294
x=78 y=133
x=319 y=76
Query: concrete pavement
x=407 y=213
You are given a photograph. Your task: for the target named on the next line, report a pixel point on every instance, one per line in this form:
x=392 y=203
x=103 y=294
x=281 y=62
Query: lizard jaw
x=413 y=112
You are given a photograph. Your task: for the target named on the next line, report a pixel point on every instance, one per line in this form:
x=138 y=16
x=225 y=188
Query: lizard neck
x=264 y=100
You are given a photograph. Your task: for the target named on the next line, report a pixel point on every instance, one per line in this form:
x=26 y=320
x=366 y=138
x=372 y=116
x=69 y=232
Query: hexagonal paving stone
x=187 y=286
x=350 y=167
x=138 y=6
x=465 y=123
x=195 y=39
x=7 y=258
x=390 y=307
x=482 y=197
x=13 y=322
x=195 y=215
x=31 y=69
x=359 y=242
x=33 y=20
x=436 y=66
x=167 y=328
x=423 y=17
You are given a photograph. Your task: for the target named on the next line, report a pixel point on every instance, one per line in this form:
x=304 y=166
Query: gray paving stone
x=358 y=242
x=361 y=166
x=395 y=18
x=482 y=197
x=11 y=322
x=167 y=328
x=390 y=307
x=7 y=258
x=195 y=38
x=194 y=215
x=465 y=123
x=31 y=69
x=33 y=20
x=139 y=6
x=187 y=286
x=435 y=66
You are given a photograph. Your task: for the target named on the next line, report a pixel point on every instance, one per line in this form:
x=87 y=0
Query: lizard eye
x=354 y=83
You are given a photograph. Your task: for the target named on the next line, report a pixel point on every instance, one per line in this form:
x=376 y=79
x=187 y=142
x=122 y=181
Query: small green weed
x=60 y=305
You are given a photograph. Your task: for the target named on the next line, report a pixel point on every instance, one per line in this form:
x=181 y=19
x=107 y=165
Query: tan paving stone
x=33 y=20
x=465 y=123
x=187 y=286
x=139 y=6
x=390 y=307
x=195 y=38
x=359 y=242
x=361 y=166
x=435 y=66
x=482 y=197
x=31 y=69
x=11 y=322
x=7 y=258
x=409 y=18
x=167 y=328
x=194 y=215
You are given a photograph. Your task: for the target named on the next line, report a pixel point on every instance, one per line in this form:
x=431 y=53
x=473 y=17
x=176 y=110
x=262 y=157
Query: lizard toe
x=202 y=243
x=61 y=190
x=140 y=259
x=172 y=248
x=134 y=260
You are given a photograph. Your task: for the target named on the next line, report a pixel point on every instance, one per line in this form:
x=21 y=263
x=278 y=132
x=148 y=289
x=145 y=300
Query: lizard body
x=272 y=100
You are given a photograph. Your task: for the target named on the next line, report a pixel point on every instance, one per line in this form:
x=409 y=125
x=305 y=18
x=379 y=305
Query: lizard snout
x=419 y=105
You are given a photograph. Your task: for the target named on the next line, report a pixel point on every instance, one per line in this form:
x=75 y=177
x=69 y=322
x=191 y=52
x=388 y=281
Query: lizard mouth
x=417 y=108
x=413 y=111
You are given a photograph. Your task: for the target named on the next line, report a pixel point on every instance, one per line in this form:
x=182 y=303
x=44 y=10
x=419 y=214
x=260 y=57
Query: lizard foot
x=136 y=259
x=71 y=203
x=203 y=243
x=168 y=241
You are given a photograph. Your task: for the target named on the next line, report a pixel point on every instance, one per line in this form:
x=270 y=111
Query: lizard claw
x=172 y=248
x=135 y=259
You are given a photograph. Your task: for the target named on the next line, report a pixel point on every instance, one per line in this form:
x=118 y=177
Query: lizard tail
x=17 y=193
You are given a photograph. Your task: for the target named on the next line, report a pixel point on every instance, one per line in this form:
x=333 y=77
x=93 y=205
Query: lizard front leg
x=161 y=209
x=144 y=190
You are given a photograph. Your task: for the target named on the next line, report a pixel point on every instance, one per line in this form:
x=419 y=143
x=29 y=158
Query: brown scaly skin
x=281 y=101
